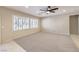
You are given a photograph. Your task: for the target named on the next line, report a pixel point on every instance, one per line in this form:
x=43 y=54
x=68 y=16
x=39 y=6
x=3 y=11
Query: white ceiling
x=35 y=10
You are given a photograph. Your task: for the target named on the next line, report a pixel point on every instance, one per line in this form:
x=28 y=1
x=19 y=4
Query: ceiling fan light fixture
x=47 y=12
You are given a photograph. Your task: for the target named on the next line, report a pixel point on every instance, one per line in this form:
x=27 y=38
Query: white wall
x=56 y=24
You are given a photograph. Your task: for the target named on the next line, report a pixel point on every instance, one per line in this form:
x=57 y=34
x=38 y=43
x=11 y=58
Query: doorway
x=74 y=24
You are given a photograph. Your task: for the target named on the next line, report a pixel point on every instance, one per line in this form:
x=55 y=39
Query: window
x=36 y=23
x=33 y=23
x=15 y=23
x=21 y=23
x=26 y=23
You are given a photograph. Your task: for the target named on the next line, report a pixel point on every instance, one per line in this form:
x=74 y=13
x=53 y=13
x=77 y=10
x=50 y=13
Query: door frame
x=0 y=30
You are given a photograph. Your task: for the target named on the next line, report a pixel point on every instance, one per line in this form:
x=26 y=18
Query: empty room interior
x=39 y=28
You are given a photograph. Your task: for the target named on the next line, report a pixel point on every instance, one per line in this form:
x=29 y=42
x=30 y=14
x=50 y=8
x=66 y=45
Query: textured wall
x=7 y=33
x=56 y=24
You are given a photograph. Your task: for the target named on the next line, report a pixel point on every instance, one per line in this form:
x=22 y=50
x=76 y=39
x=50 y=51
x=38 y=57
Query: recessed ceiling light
x=64 y=10
x=26 y=6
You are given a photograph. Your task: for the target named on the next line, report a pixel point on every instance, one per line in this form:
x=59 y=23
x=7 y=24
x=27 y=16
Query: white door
x=0 y=29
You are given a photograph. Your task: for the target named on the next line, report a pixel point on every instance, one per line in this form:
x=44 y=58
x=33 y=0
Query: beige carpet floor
x=47 y=42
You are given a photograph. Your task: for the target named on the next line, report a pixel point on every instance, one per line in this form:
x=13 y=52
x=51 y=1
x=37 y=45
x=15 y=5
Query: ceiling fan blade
x=49 y=9
x=52 y=11
x=55 y=9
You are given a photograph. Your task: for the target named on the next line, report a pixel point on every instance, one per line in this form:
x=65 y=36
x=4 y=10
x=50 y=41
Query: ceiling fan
x=49 y=9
